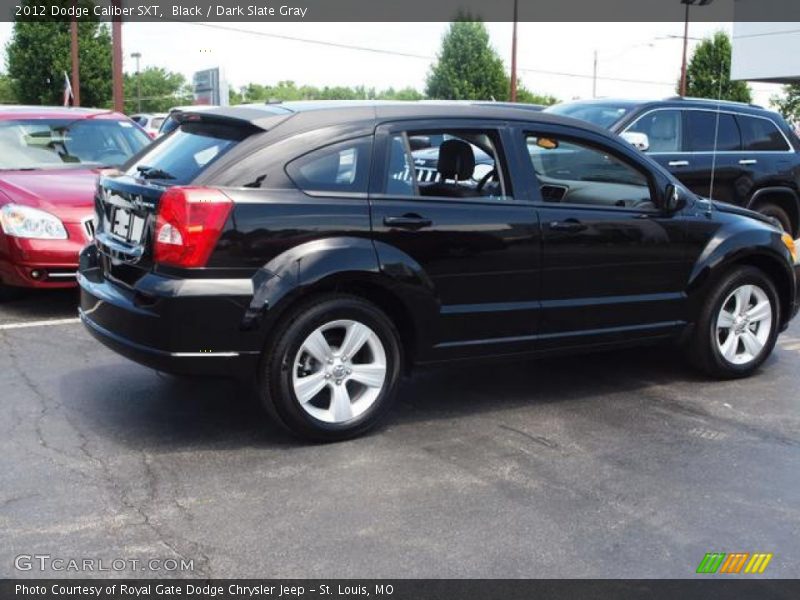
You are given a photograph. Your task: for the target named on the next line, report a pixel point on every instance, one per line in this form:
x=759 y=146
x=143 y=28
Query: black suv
x=753 y=153
x=296 y=242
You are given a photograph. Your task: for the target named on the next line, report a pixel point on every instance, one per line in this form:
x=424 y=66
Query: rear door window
x=704 y=127
x=342 y=167
x=761 y=135
x=181 y=157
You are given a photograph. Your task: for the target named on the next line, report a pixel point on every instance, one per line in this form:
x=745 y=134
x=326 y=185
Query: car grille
x=88 y=227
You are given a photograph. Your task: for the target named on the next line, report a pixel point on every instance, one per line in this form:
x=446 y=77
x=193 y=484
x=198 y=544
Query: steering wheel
x=485 y=179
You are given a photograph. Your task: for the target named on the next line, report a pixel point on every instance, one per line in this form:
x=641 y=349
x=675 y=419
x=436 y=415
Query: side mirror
x=674 y=198
x=640 y=141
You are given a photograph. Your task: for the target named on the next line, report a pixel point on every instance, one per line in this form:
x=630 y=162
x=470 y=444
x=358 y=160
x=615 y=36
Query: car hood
x=65 y=193
x=745 y=212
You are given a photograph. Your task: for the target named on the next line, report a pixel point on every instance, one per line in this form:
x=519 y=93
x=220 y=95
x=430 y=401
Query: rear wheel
x=333 y=369
x=778 y=213
x=738 y=325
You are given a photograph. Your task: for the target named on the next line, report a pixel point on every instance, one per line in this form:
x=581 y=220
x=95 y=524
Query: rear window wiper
x=153 y=172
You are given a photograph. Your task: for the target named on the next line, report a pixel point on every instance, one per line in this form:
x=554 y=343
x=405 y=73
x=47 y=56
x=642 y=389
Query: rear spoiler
x=254 y=117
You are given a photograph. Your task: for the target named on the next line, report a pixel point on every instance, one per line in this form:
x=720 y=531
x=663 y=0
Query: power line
x=291 y=38
x=281 y=36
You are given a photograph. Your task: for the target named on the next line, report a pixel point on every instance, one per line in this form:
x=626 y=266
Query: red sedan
x=49 y=161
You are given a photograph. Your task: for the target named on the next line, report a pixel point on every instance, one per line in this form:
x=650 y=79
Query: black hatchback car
x=296 y=243
x=728 y=151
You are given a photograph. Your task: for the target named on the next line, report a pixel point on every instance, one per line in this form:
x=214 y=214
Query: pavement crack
x=541 y=440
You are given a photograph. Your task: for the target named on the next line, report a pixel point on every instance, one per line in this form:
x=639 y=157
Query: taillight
x=188 y=225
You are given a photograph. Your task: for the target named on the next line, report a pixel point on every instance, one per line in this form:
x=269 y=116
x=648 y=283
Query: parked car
x=171 y=122
x=49 y=162
x=292 y=243
x=150 y=122
x=733 y=152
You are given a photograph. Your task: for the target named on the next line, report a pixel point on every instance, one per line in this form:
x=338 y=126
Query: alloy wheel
x=743 y=324
x=339 y=371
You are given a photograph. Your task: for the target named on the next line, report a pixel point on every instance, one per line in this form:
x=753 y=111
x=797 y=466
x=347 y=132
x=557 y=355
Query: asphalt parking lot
x=617 y=465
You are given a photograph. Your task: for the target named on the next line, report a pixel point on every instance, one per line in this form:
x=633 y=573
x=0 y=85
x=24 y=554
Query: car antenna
x=716 y=133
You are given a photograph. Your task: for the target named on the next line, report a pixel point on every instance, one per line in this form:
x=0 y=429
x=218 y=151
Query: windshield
x=602 y=115
x=54 y=143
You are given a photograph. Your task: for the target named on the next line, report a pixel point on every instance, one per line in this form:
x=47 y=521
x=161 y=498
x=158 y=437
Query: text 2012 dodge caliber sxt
x=304 y=243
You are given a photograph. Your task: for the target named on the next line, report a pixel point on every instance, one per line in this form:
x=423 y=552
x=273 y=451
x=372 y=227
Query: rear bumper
x=169 y=326
x=45 y=264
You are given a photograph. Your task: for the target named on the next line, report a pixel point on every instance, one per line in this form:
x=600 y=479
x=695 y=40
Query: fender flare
x=794 y=210
x=344 y=261
x=761 y=248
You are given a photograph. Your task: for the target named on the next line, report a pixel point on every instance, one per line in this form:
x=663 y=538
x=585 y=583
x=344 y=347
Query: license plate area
x=126 y=226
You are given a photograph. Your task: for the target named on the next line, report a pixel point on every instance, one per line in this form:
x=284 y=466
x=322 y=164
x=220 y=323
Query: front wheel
x=738 y=325
x=333 y=369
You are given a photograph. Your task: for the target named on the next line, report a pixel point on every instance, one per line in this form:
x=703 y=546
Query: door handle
x=678 y=163
x=407 y=221
x=748 y=161
x=570 y=225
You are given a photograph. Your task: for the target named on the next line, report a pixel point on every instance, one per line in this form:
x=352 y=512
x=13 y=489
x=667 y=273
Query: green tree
x=467 y=68
x=160 y=90
x=529 y=97
x=286 y=91
x=789 y=103
x=708 y=74
x=407 y=93
x=38 y=55
x=7 y=95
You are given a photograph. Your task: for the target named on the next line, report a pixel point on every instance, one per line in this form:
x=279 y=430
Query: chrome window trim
x=735 y=113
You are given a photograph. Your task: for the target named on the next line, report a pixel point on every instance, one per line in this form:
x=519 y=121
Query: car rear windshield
x=186 y=152
x=602 y=115
x=55 y=143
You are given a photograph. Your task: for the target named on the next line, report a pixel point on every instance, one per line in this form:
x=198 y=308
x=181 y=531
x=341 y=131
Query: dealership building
x=766 y=52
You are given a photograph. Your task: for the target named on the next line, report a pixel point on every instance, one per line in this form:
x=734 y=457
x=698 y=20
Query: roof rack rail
x=714 y=101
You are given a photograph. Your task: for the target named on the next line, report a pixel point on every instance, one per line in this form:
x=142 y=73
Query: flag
x=68 y=95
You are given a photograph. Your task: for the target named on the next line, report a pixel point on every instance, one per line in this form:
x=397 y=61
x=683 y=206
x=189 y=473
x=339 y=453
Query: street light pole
x=594 y=76
x=513 y=93
x=137 y=56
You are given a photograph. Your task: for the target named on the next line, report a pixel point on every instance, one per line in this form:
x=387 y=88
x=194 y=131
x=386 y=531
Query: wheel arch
x=764 y=259
x=348 y=265
x=782 y=196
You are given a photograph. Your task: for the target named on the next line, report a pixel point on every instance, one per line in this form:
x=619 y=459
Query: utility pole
x=594 y=76
x=513 y=92
x=116 y=59
x=76 y=76
x=138 y=56
x=688 y=3
x=685 y=48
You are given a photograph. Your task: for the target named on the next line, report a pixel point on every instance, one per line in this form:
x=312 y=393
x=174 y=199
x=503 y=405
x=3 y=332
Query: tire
x=711 y=348
x=9 y=293
x=308 y=383
x=775 y=211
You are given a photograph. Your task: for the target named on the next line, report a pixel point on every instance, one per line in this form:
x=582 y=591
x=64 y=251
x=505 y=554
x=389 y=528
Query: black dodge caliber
x=297 y=243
